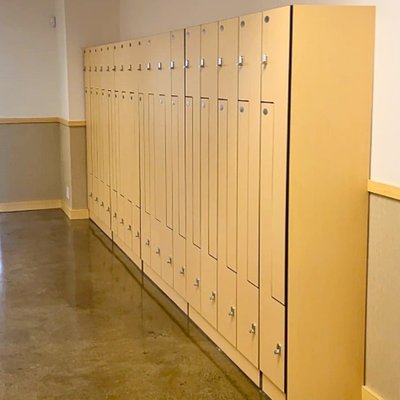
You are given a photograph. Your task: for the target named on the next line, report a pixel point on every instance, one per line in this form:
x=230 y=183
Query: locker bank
x=229 y=180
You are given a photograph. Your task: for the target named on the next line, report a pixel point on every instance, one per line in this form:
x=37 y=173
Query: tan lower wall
x=29 y=162
x=39 y=160
x=383 y=308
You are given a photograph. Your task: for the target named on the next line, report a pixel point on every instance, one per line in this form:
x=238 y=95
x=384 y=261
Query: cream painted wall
x=140 y=18
x=29 y=79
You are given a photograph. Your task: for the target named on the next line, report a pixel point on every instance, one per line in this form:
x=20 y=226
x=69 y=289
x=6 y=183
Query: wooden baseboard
x=30 y=205
x=271 y=390
x=74 y=213
x=368 y=394
x=383 y=189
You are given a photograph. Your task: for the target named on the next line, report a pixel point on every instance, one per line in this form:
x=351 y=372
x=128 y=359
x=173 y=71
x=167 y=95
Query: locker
x=114 y=213
x=159 y=148
x=248 y=320
x=149 y=154
x=177 y=62
x=167 y=263
x=128 y=216
x=96 y=210
x=227 y=307
x=89 y=158
x=209 y=295
x=249 y=60
x=136 y=150
x=180 y=269
x=146 y=237
x=192 y=60
x=248 y=191
x=115 y=140
x=108 y=69
x=136 y=242
x=208 y=60
x=228 y=52
x=86 y=68
x=157 y=250
x=149 y=67
x=90 y=193
x=162 y=51
x=122 y=218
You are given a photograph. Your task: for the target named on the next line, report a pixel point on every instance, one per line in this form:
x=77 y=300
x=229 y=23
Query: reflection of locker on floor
x=228 y=160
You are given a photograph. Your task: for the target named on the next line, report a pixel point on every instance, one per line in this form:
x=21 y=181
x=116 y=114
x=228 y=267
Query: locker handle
x=122 y=68
x=253 y=329
x=108 y=209
x=137 y=234
x=129 y=227
x=159 y=66
x=96 y=200
x=90 y=69
x=197 y=282
x=95 y=69
x=148 y=67
x=122 y=221
x=264 y=59
x=186 y=64
x=114 y=68
x=115 y=215
x=182 y=271
x=139 y=68
x=84 y=69
x=240 y=61
x=219 y=62
x=172 y=65
x=108 y=68
x=101 y=69
x=102 y=204
x=158 y=251
x=91 y=194
x=169 y=261
x=213 y=296
x=147 y=242
x=232 y=311
x=278 y=350
x=130 y=67
x=202 y=63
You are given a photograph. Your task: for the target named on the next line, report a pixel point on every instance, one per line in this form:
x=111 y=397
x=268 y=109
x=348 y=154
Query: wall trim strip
x=368 y=394
x=30 y=205
x=42 y=120
x=74 y=213
x=383 y=189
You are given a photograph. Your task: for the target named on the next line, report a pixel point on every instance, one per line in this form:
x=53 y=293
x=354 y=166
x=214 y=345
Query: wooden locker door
x=94 y=131
x=136 y=245
x=192 y=205
x=128 y=237
x=124 y=143
x=118 y=62
x=106 y=140
x=86 y=67
x=275 y=89
x=191 y=64
x=88 y=134
x=167 y=264
x=130 y=170
x=162 y=50
x=248 y=227
x=90 y=194
x=114 y=213
x=249 y=60
x=103 y=131
x=248 y=191
x=115 y=140
x=122 y=220
x=102 y=60
x=177 y=62
x=136 y=150
x=227 y=308
x=208 y=60
x=179 y=192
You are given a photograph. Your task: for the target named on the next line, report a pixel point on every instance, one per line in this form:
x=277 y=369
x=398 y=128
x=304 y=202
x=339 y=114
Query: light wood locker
x=136 y=243
x=249 y=60
x=177 y=62
x=167 y=259
x=193 y=251
x=179 y=191
x=162 y=54
x=86 y=68
x=128 y=214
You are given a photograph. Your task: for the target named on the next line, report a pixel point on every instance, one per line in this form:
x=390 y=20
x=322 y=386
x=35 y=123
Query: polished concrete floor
x=78 y=321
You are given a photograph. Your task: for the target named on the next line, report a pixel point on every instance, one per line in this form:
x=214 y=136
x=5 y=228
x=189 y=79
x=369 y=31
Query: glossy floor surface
x=78 y=321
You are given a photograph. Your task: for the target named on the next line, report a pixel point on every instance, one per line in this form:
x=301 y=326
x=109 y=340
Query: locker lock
x=96 y=199
x=186 y=64
x=108 y=209
x=158 y=251
x=147 y=242
x=102 y=204
x=253 y=329
x=129 y=227
x=232 y=311
x=91 y=194
x=202 y=63
x=240 y=61
x=197 y=282
x=182 y=271
x=264 y=59
x=115 y=215
x=219 y=62
x=138 y=234
x=172 y=65
x=122 y=221
x=169 y=261
x=213 y=296
x=278 y=349
x=159 y=66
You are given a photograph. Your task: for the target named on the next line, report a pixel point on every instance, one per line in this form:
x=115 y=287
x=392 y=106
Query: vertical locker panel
x=86 y=67
x=88 y=132
x=117 y=66
x=162 y=57
x=102 y=59
x=104 y=135
x=209 y=295
x=136 y=244
x=177 y=61
x=248 y=320
x=90 y=193
x=121 y=217
x=114 y=212
x=167 y=263
x=192 y=61
x=145 y=225
x=94 y=113
x=128 y=237
x=227 y=309
x=125 y=151
x=179 y=195
x=107 y=133
x=96 y=197
x=159 y=148
x=130 y=164
x=196 y=173
x=250 y=29
x=116 y=140
x=192 y=250
x=148 y=105
x=208 y=60
x=111 y=111
x=134 y=107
